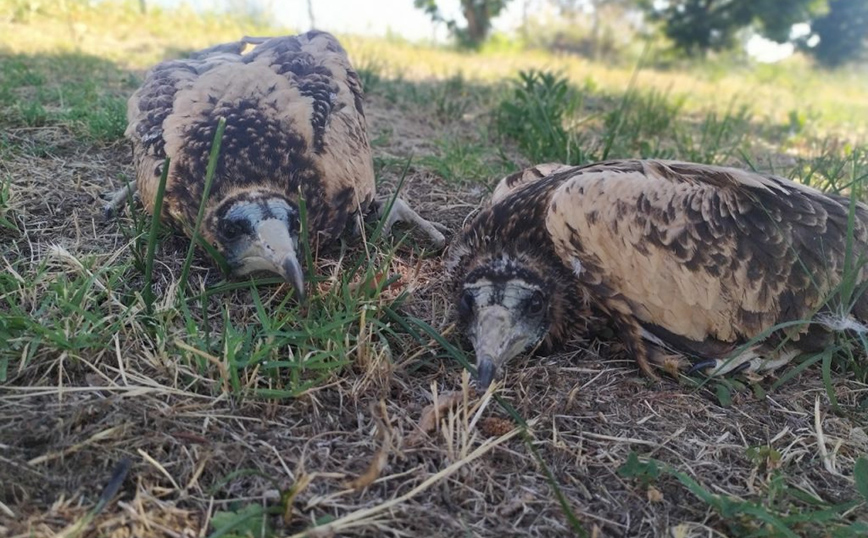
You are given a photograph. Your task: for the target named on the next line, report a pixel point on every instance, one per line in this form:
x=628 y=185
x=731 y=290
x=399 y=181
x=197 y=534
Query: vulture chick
x=693 y=266
x=295 y=128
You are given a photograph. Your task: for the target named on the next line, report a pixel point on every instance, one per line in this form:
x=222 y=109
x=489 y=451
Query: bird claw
x=740 y=368
x=701 y=366
x=442 y=228
x=115 y=200
x=402 y=212
x=108 y=213
x=714 y=365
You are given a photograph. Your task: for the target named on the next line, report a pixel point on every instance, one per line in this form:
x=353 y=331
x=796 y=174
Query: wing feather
x=521 y=179
x=702 y=251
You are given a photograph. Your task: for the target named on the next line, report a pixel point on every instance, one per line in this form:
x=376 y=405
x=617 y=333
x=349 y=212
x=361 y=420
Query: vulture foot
x=402 y=212
x=114 y=200
x=749 y=361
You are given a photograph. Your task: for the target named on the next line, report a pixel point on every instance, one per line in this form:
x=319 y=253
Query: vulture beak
x=497 y=339
x=280 y=255
x=485 y=371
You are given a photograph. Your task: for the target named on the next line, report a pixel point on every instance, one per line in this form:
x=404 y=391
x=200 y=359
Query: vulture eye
x=233 y=229
x=465 y=304
x=536 y=304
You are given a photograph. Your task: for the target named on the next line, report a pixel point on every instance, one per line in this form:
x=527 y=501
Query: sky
x=377 y=17
x=400 y=17
x=364 y=17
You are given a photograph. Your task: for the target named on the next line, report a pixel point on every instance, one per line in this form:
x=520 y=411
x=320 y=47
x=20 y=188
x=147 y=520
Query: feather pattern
x=294 y=124
x=682 y=257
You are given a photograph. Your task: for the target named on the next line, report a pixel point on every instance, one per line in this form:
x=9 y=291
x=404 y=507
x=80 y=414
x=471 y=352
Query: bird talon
x=115 y=200
x=740 y=368
x=386 y=230
x=400 y=211
x=701 y=366
x=438 y=239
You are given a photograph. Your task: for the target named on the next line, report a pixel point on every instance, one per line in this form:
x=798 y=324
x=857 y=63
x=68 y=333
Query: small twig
x=119 y=474
x=381 y=458
x=6 y=510
x=99 y=436
x=159 y=467
x=628 y=440
x=828 y=459
x=224 y=372
x=121 y=367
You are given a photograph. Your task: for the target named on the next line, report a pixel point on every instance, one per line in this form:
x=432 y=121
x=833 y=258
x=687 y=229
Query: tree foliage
x=842 y=33
x=478 y=15
x=698 y=26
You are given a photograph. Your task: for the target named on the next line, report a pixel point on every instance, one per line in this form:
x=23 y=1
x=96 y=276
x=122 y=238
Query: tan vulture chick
x=689 y=263
x=295 y=127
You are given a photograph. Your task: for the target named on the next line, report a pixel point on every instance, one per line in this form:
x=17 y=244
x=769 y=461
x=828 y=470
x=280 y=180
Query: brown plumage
x=694 y=265
x=295 y=126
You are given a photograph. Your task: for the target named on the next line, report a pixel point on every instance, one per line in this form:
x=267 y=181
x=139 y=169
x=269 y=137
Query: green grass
x=65 y=309
x=86 y=93
x=65 y=315
x=551 y=120
x=460 y=161
x=783 y=510
x=534 y=113
x=7 y=218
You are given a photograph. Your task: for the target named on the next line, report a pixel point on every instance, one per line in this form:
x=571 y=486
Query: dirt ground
x=66 y=425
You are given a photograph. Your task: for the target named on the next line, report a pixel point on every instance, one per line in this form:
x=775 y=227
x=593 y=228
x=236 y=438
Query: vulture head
x=512 y=303
x=258 y=231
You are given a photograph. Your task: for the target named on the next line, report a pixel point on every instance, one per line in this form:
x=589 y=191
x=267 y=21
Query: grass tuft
x=534 y=114
x=7 y=218
x=786 y=511
x=213 y=159
x=148 y=292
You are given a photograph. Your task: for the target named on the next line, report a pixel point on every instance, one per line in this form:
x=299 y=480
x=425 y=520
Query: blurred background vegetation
x=799 y=64
x=833 y=32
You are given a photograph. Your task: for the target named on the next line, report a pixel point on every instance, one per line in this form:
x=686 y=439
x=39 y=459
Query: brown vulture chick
x=693 y=266
x=295 y=127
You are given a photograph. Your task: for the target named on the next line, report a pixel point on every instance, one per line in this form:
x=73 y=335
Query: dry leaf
x=512 y=508
x=654 y=495
x=371 y=285
x=431 y=413
x=300 y=485
x=381 y=458
x=495 y=427
x=374 y=469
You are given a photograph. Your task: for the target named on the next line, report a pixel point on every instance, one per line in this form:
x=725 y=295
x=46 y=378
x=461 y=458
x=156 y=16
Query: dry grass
x=391 y=443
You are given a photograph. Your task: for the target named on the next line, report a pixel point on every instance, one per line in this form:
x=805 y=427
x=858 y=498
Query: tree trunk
x=477 y=20
x=310 y=14
x=595 y=31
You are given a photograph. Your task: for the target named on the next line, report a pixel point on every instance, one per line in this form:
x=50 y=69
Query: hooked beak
x=292 y=273
x=496 y=340
x=280 y=255
x=485 y=371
